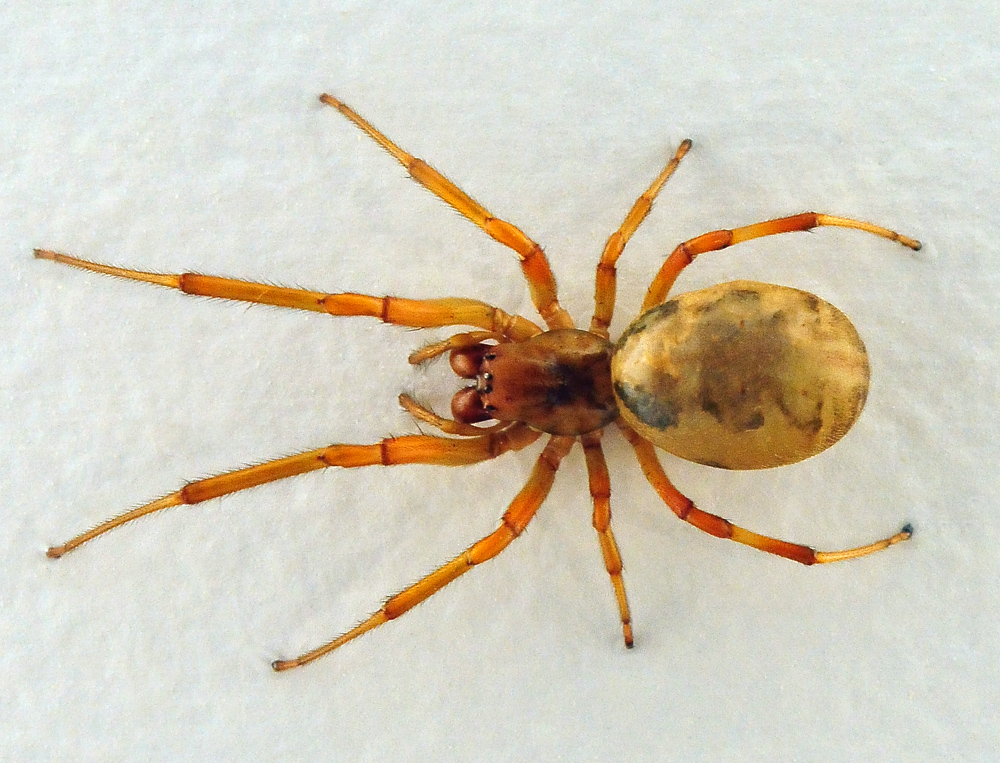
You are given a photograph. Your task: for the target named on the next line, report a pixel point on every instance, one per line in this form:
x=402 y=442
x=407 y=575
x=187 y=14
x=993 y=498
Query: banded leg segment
x=515 y=519
x=600 y=491
x=685 y=253
x=534 y=264
x=606 y=279
x=412 y=449
x=415 y=313
x=685 y=509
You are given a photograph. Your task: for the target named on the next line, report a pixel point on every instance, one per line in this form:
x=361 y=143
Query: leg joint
x=684 y=508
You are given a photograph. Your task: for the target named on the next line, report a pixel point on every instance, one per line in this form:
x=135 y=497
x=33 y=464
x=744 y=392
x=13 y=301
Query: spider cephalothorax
x=741 y=375
x=558 y=382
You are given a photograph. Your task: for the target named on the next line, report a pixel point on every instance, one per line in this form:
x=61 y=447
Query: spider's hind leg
x=686 y=252
x=715 y=525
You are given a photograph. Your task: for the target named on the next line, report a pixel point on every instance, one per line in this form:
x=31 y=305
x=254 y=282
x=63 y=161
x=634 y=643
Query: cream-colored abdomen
x=741 y=375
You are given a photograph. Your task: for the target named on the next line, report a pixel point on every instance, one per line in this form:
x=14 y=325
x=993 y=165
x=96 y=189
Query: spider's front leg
x=411 y=449
x=515 y=519
x=415 y=313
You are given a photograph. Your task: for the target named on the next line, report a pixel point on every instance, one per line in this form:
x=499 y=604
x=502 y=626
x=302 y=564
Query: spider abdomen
x=741 y=375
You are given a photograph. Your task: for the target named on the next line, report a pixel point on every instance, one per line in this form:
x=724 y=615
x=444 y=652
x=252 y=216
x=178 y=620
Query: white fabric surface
x=175 y=136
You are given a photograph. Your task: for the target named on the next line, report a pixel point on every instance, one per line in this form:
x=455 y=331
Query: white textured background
x=175 y=136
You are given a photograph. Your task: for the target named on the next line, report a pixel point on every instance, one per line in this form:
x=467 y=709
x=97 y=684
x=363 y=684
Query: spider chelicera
x=742 y=375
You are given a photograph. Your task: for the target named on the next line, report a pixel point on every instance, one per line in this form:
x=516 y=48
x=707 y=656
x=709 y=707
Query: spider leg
x=416 y=313
x=534 y=265
x=606 y=280
x=684 y=508
x=515 y=519
x=685 y=253
x=412 y=449
x=600 y=491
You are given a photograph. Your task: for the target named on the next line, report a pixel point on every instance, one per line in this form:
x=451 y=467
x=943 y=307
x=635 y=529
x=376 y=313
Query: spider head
x=557 y=382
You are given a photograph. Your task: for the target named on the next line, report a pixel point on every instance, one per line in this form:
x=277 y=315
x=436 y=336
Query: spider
x=741 y=375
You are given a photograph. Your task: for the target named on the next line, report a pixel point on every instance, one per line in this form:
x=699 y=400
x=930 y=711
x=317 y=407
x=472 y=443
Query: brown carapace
x=741 y=375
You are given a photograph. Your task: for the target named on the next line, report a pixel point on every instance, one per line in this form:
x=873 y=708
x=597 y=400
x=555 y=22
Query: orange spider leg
x=515 y=519
x=685 y=253
x=534 y=265
x=416 y=313
x=684 y=508
x=606 y=280
x=600 y=491
x=412 y=449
